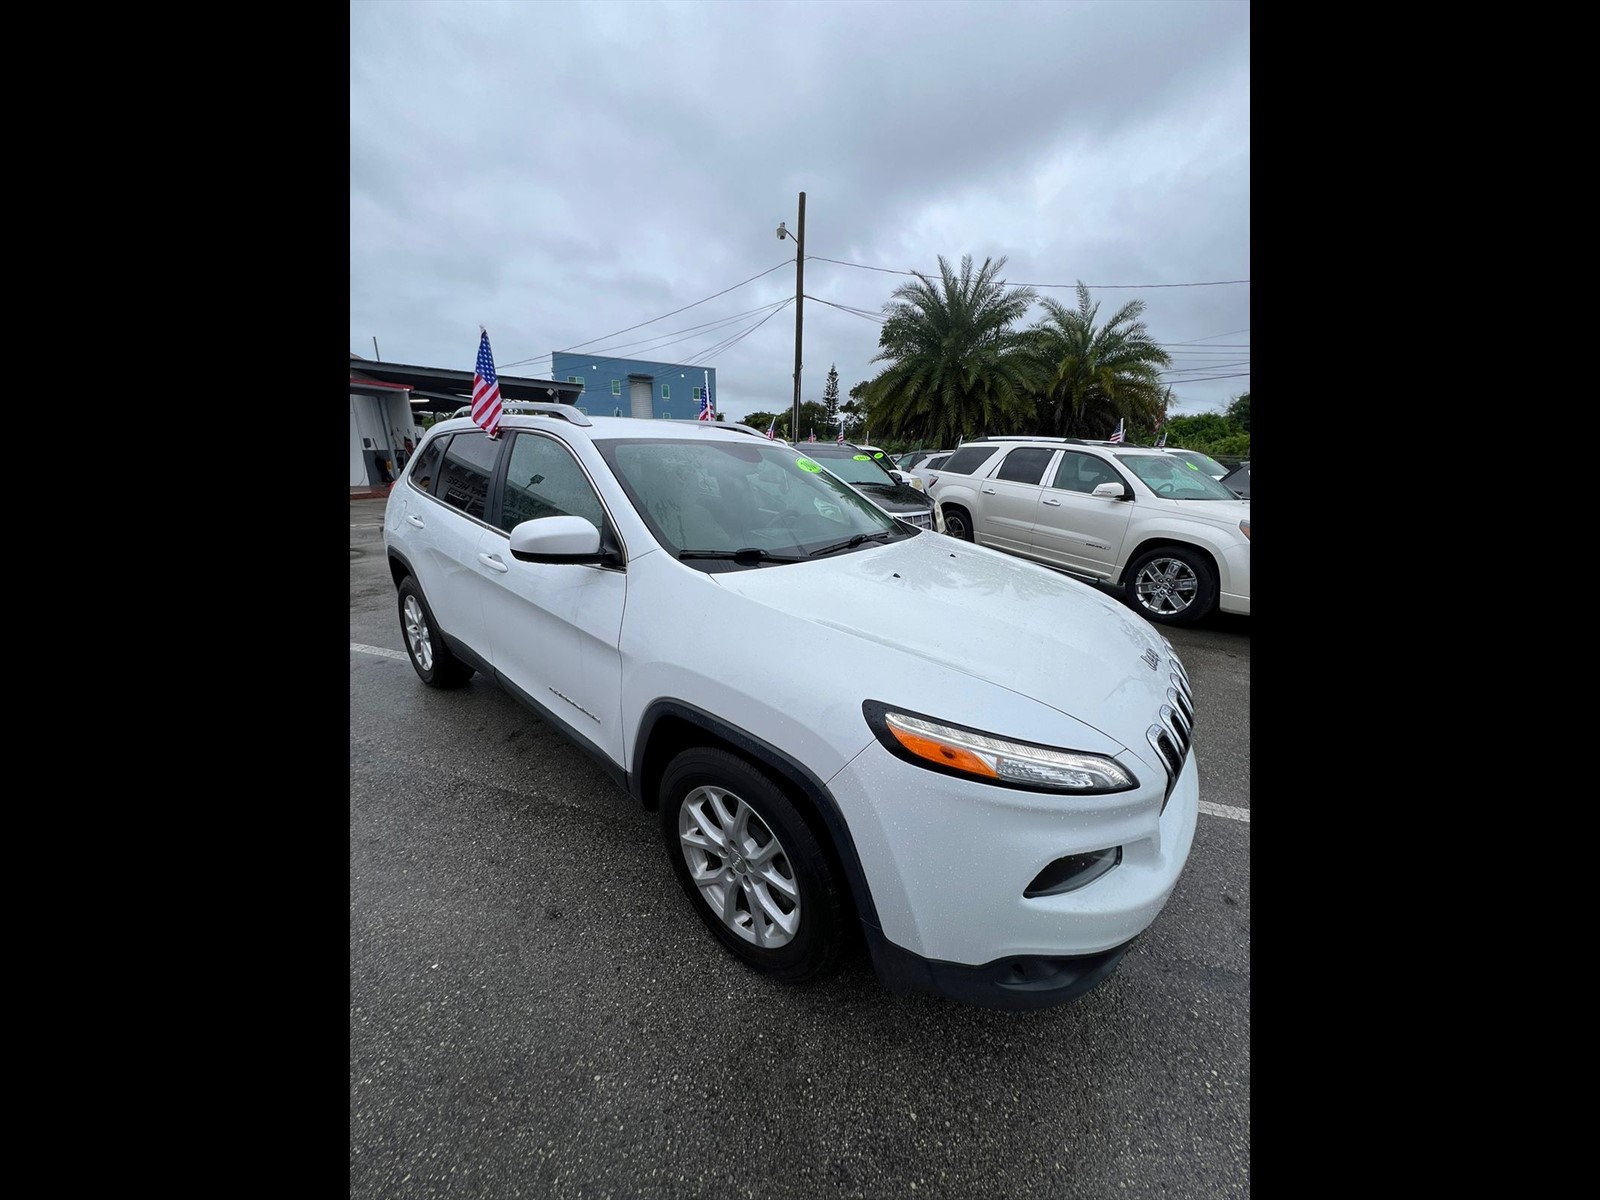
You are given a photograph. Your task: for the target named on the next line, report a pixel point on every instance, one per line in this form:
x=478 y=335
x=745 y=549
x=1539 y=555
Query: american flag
x=486 y=389
x=840 y=438
x=1116 y=434
x=813 y=436
x=772 y=428
x=707 y=413
x=1161 y=442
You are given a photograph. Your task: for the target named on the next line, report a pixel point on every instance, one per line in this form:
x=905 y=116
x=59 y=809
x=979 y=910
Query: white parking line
x=1225 y=810
x=1216 y=810
x=380 y=651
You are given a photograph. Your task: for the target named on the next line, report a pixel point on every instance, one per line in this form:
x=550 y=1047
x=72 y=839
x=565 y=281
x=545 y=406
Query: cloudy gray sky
x=569 y=174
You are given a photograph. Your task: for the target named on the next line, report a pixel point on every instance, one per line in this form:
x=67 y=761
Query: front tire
x=956 y=522
x=750 y=865
x=430 y=657
x=1172 y=585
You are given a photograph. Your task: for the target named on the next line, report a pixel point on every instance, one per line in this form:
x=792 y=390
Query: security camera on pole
x=799 y=302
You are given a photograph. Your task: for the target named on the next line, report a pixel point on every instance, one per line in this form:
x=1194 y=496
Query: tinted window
x=544 y=480
x=1083 y=472
x=425 y=467
x=464 y=477
x=1026 y=465
x=968 y=459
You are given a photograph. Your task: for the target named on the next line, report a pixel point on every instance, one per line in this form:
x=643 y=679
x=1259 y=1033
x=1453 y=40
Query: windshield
x=720 y=496
x=1204 y=461
x=854 y=466
x=1174 y=478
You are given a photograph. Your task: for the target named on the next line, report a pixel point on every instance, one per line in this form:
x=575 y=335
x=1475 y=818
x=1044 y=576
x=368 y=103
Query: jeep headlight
x=989 y=758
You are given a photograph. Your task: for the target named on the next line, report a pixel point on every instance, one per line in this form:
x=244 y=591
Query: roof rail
x=738 y=427
x=567 y=412
x=1025 y=437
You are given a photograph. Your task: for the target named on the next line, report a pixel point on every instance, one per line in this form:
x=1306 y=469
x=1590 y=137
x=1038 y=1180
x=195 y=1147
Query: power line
x=660 y=341
x=1102 y=286
x=652 y=320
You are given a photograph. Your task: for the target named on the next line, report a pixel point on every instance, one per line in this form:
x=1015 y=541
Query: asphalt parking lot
x=535 y=1011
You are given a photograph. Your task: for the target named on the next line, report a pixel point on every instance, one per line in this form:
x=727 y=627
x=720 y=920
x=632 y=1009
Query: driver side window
x=544 y=480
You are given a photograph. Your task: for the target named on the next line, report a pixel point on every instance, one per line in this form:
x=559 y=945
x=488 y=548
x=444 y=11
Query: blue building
x=632 y=387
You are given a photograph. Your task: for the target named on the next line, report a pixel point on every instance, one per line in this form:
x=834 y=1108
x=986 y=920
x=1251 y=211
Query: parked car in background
x=925 y=470
x=857 y=467
x=1173 y=539
x=997 y=797
x=1202 y=462
x=909 y=460
x=1238 y=479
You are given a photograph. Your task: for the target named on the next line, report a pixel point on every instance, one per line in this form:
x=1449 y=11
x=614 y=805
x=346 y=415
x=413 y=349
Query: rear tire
x=750 y=865
x=1171 y=586
x=430 y=657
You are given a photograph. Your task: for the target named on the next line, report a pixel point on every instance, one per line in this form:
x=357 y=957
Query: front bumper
x=948 y=861
x=1017 y=984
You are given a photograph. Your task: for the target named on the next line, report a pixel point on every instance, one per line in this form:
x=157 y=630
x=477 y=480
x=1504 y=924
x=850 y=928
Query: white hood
x=987 y=616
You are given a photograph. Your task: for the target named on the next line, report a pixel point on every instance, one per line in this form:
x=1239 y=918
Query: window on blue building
x=616 y=387
x=666 y=392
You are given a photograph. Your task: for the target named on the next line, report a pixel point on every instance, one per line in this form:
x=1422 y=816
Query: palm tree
x=1090 y=377
x=956 y=364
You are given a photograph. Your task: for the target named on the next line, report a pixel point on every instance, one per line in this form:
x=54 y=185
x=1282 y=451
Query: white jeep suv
x=1173 y=539
x=997 y=796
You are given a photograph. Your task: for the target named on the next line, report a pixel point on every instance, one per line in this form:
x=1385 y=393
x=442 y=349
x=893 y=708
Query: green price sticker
x=805 y=464
x=863 y=457
x=1191 y=466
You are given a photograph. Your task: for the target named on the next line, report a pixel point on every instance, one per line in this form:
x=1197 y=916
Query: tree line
x=959 y=363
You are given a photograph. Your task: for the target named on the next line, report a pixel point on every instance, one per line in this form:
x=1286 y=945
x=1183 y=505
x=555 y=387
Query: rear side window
x=1026 y=465
x=968 y=459
x=464 y=478
x=425 y=467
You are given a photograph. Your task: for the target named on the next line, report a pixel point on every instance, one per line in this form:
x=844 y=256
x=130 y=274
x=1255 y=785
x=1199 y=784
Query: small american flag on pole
x=485 y=388
x=1116 y=434
x=840 y=438
x=813 y=436
x=1161 y=442
x=772 y=428
x=707 y=413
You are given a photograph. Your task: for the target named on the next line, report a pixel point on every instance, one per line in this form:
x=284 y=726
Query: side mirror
x=559 y=540
x=1111 y=491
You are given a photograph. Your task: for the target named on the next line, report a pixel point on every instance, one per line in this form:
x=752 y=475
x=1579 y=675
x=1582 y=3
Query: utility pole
x=799 y=306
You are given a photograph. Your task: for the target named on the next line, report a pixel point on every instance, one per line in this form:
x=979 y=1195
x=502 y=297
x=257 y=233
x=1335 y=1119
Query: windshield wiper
x=749 y=555
x=852 y=543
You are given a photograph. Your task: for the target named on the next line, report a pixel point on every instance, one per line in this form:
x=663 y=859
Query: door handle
x=493 y=562
x=988 y=491
x=415 y=520
x=1053 y=503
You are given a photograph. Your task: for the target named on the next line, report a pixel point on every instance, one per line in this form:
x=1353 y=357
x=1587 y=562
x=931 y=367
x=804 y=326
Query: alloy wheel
x=1166 y=585
x=743 y=872
x=418 y=636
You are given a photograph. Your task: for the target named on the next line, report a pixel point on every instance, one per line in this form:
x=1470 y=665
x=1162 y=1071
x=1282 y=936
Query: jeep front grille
x=1173 y=733
x=922 y=520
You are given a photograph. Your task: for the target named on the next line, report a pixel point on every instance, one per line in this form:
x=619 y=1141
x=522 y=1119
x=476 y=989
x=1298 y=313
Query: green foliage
x=1210 y=433
x=1088 y=377
x=830 y=395
x=1239 y=411
x=812 y=416
x=956 y=366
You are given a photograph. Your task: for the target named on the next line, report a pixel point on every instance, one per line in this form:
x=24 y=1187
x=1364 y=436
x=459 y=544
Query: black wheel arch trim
x=793 y=772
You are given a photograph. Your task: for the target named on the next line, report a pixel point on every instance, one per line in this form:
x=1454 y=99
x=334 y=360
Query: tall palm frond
x=1090 y=377
x=956 y=366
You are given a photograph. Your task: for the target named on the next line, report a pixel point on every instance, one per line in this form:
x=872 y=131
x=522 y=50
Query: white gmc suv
x=998 y=794
x=1173 y=539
